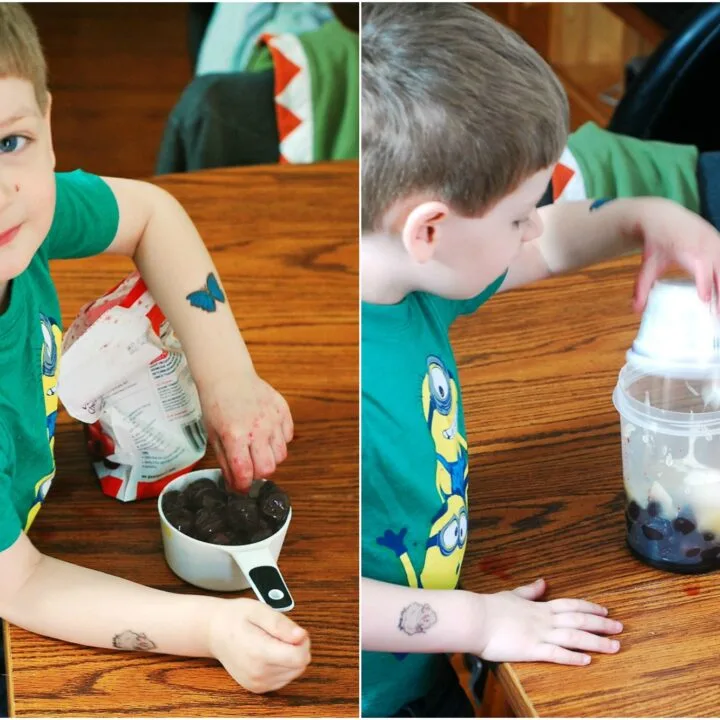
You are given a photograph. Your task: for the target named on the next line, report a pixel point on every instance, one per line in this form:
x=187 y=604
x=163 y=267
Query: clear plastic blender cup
x=668 y=397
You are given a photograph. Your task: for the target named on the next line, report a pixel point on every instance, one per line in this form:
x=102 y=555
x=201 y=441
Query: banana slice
x=702 y=489
x=661 y=496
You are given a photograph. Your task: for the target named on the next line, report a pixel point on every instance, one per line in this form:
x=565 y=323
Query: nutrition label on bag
x=125 y=373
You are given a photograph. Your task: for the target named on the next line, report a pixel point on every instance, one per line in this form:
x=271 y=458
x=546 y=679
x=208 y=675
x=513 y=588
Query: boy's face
x=462 y=255
x=27 y=182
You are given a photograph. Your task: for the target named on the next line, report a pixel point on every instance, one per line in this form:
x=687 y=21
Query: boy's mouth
x=9 y=235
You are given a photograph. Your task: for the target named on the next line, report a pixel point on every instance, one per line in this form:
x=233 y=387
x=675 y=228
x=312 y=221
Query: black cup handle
x=269 y=586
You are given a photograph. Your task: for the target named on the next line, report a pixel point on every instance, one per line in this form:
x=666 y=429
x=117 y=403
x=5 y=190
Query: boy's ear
x=49 y=127
x=419 y=233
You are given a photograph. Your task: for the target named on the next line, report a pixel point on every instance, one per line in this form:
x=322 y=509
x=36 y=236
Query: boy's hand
x=262 y=649
x=672 y=234
x=521 y=629
x=249 y=426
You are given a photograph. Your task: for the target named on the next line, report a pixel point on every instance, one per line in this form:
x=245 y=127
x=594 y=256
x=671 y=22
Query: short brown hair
x=453 y=104
x=21 y=54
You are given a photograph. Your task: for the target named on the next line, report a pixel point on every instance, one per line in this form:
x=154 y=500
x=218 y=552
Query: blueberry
x=182 y=519
x=633 y=510
x=711 y=554
x=265 y=531
x=683 y=525
x=651 y=533
x=708 y=536
x=221 y=538
x=208 y=523
x=243 y=514
x=172 y=500
x=653 y=508
x=692 y=552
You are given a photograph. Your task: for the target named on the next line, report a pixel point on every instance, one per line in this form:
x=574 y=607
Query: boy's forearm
x=87 y=607
x=404 y=620
x=574 y=236
x=174 y=262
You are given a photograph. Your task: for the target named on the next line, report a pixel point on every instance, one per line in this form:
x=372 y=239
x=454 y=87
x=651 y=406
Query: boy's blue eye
x=12 y=143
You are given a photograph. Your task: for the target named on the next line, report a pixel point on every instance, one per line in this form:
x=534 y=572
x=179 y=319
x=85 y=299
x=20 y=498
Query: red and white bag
x=124 y=374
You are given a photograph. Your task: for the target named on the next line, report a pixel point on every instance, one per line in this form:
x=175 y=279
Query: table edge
x=8 y=669
x=341 y=166
x=518 y=699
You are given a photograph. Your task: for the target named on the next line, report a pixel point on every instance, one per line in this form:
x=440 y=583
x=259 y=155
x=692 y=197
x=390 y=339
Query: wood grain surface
x=116 y=70
x=538 y=367
x=285 y=243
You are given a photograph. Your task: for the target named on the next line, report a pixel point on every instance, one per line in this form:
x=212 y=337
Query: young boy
x=462 y=125
x=44 y=215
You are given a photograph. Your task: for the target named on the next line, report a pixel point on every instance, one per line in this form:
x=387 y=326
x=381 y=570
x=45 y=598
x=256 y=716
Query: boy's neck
x=386 y=273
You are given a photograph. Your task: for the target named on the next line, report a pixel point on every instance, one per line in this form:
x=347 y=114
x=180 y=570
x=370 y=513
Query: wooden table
x=538 y=368
x=285 y=243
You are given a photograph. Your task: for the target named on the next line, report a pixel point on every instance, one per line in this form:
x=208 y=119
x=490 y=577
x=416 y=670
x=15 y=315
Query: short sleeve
x=10 y=525
x=86 y=217
x=450 y=309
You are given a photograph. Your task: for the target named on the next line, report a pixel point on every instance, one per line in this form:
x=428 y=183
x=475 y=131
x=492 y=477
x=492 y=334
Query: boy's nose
x=533 y=227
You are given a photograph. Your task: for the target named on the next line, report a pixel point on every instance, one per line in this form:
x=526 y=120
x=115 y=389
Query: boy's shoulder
x=421 y=309
x=86 y=216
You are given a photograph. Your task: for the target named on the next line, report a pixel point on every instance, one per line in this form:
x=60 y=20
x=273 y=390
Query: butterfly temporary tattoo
x=599 y=203
x=206 y=298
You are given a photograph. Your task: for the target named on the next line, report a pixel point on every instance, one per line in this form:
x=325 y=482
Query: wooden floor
x=116 y=70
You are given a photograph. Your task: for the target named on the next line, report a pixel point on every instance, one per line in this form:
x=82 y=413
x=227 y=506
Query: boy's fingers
x=565 y=605
x=587 y=621
x=651 y=269
x=283 y=677
x=278 y=446
x=263 y=459
x=704 y=278
x=279 y=654
x=547 y=652
x=223 y=463
x=278 y=625
x=532 y=591
x=241 y=466
x=288 y=428
x=581 y=640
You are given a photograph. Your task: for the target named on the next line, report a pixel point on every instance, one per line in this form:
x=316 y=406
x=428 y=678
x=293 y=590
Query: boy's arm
x=573 y=237
x=248 y=422
x=504 y=627
x=157 y=233
x=53 y=598
x=579 y=234
x=400 y=619
x=56 y=599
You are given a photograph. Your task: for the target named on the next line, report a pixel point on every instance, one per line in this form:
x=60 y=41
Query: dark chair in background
x=670 y=98
x=226 y=119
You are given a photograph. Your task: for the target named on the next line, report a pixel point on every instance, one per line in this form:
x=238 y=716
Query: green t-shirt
x=85 y=223
x=332 y=56
x=617 y=166
x=414 y=470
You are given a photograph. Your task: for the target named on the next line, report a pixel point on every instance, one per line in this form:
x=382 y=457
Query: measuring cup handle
x=261 y=571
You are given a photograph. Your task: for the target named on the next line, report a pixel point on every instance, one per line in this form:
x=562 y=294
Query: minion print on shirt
x=50 y=363
x=445 y=546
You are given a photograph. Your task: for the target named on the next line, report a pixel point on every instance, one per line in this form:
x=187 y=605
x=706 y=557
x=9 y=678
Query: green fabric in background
x=333 y=58
x=621 y=166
